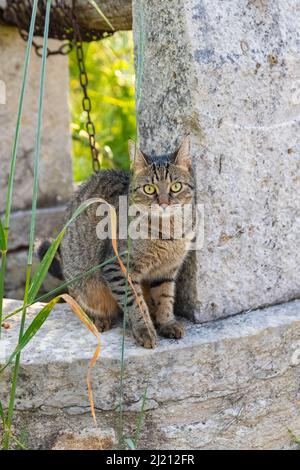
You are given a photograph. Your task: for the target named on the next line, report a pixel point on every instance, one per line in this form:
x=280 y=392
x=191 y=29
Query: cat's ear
x=183 y=156
x=136 y=156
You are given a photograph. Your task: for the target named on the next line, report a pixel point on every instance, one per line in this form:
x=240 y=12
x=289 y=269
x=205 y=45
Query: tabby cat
x=159 y=182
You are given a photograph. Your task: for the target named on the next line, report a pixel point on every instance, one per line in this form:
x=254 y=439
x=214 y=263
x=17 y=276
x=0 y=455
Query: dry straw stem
x=92 y=328
x=37 y=323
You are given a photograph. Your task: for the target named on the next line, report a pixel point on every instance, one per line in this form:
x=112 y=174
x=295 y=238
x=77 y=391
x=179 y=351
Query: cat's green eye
x=176 y=187
x=149 y=189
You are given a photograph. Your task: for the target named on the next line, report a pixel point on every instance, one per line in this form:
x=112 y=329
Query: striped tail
x=55 y=268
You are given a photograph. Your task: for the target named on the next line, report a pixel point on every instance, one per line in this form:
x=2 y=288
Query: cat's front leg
x=162 y=292
x=139 y=318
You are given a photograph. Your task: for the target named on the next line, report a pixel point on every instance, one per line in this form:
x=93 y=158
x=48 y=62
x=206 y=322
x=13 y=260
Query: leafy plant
x=110 y=69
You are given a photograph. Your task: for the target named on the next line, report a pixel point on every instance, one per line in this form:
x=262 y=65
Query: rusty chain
x=63 y=26
x=86 y=101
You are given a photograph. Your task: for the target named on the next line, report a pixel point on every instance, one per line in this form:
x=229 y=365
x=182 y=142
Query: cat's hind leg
x=97 y=300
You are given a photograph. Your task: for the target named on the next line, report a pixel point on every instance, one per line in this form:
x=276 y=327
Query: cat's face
x=162 y=182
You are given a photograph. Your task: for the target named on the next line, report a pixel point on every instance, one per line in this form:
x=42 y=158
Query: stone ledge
x=233 y=383
x=49 y=221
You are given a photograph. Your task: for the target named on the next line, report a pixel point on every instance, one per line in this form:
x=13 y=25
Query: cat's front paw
x=145 y=336
x=102 y=324
x=173 y=330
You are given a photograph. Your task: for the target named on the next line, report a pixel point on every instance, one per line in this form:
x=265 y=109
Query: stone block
x=230 y=384
x=228 y=75
x=49 y=222
x=55 y=185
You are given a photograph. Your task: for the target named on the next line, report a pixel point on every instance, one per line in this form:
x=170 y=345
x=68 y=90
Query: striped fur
x=154 y=264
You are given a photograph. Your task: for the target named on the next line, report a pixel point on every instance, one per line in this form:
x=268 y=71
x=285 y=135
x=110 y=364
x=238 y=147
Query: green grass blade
x=2 y=416
x=60 y=288
x=14 y=154
x=32 y=226
x=2 y=238
x=19 y=117
x=37 y=150
x=122 y=371
x=92 y=2
x=2 y=270
x=140 y=56
x=43 y=268
x=2 y=275
x=19 y=442
x=130 y=443
x=31 y=331
x=44 y=265
x=140 y=418
x=294 y=438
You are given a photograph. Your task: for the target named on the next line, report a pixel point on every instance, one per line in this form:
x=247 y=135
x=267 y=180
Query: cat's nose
x=164 y=206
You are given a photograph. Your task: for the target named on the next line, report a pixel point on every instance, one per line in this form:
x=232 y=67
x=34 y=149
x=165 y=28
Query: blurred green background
x=110 y=69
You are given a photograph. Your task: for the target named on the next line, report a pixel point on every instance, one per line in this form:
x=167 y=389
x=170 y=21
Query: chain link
x=63 y=26
x=86 y=101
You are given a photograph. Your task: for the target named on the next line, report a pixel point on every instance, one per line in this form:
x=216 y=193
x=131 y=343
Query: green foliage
x=294 y=438
x=110 y=69
x=44 y=265
x=31 y=331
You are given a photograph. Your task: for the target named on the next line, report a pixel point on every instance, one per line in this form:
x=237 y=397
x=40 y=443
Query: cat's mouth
x=164 y=210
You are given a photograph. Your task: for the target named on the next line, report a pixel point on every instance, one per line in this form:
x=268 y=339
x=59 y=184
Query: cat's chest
x=161 y=255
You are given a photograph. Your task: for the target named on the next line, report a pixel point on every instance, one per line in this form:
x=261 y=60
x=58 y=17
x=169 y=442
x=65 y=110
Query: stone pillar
x=228 y=73
x=56 y=179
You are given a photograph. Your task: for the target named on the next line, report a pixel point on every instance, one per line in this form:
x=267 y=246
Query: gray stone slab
x=233 y=383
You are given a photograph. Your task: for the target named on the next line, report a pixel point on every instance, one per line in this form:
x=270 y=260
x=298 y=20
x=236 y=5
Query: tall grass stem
x=14 y=154
x=32 y=225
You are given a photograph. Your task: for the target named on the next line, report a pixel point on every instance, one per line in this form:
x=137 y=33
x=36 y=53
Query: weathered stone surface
x=49 y=222
x=118 y=12
x=229 y=76
x=233 y=383
x=55 y=184
x=85 y=439
x=16 y=272
x=16 y=275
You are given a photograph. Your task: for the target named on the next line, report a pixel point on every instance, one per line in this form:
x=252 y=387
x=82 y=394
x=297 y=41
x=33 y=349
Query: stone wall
x=228 y=74
x=56 y=182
